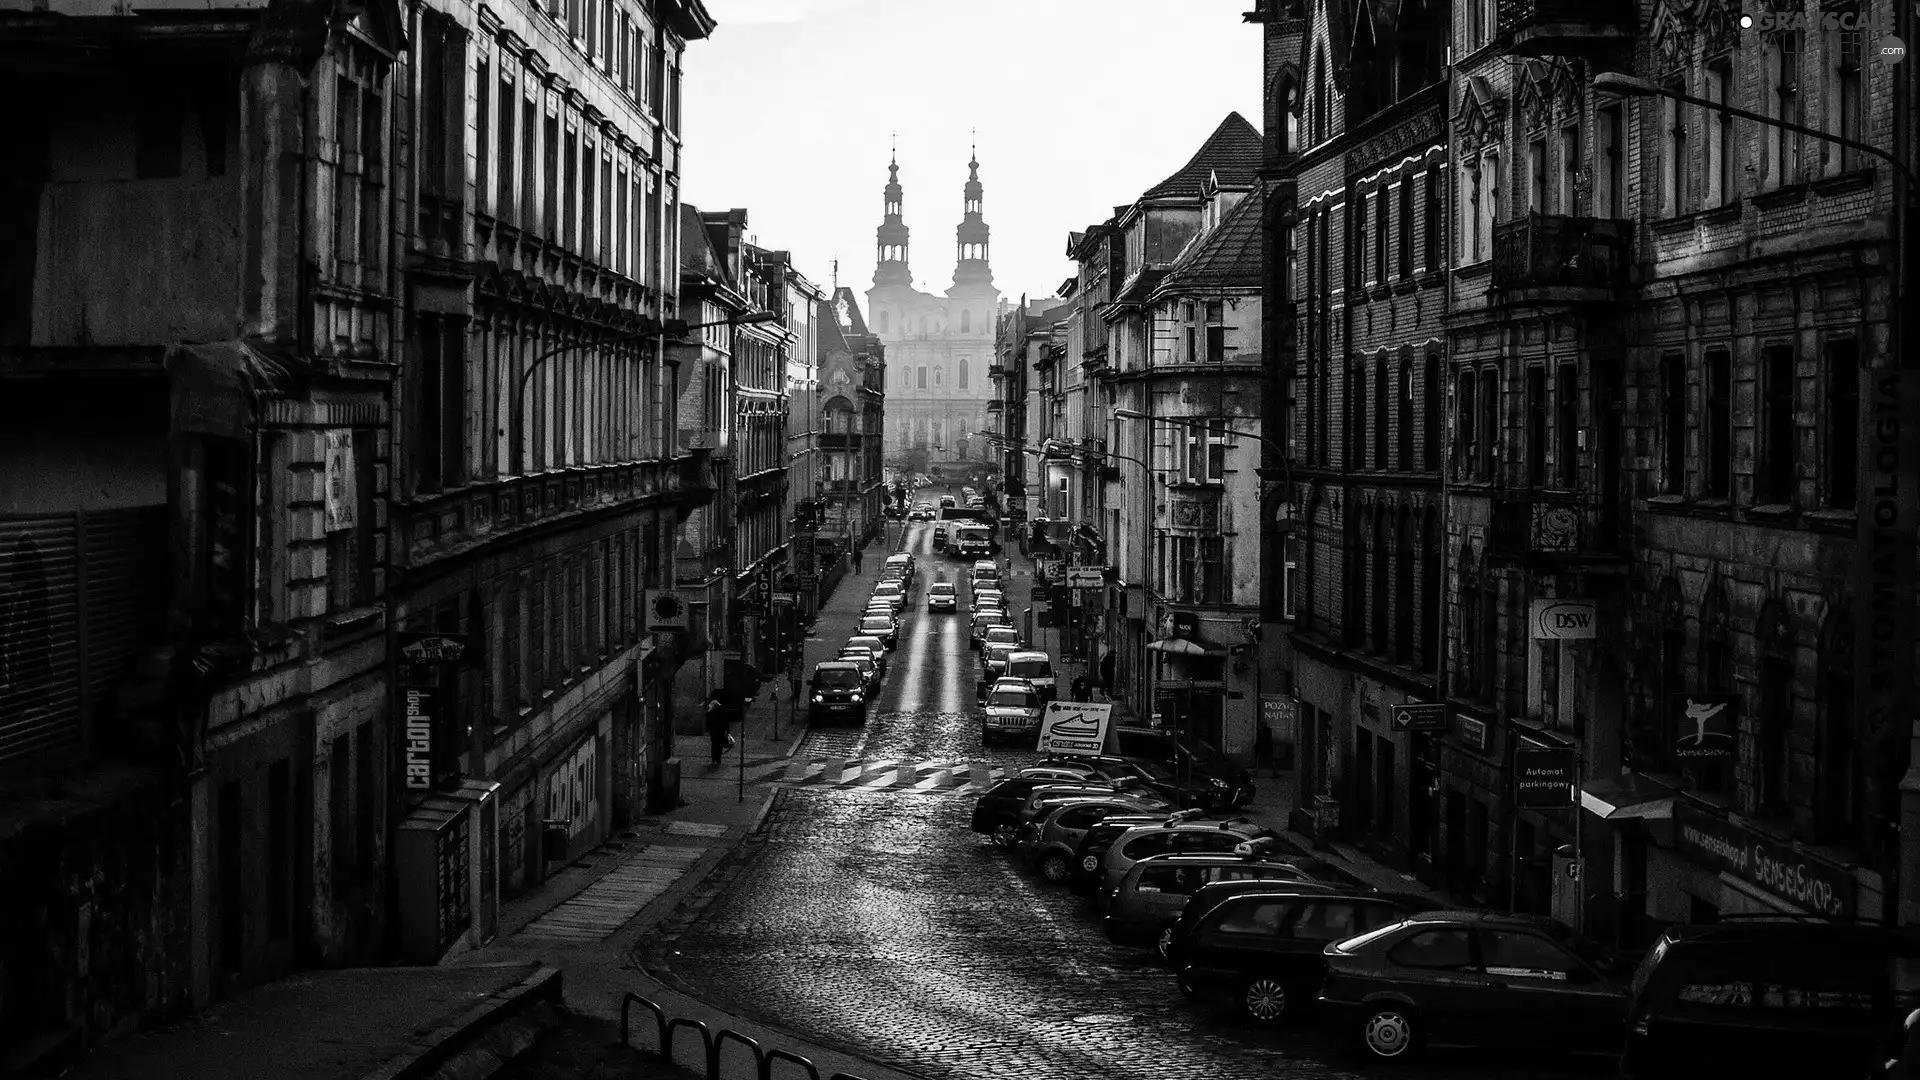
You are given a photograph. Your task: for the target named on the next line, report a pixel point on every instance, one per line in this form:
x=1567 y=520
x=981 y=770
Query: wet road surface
x=873 y=920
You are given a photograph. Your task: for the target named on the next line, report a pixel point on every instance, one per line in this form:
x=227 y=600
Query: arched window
x=966 y=322
x=962 y=369
x=1773 y=722
x=1403 y=594
x=1716 y=677
x=1840 y=806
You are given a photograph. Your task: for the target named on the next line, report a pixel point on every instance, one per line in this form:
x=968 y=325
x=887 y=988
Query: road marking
x=607 y=904
x=940 y=779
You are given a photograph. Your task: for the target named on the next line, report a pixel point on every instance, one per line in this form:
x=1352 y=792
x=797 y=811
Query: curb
x=668 y=903
x=444 y=1046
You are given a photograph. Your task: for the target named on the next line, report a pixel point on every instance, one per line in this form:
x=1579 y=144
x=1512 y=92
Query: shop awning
x=1628 y=797
x=217 y=386
x=1179 y=646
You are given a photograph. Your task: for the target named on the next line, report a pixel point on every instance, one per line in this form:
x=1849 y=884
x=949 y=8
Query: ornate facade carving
x=1481 y=118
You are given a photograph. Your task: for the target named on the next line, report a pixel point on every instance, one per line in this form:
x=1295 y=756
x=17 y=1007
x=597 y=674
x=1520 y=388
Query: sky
x=1080 y=106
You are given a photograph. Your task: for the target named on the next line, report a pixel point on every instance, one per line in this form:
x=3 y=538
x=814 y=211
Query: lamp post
x=650 y=329
x=1887 y=507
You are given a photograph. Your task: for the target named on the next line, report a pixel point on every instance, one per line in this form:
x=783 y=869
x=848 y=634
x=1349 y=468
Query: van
x=1230 y=785
x=1037 y=668
x=1769 y=996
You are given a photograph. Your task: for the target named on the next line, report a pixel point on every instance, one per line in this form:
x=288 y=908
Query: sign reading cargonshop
x=1763 y=862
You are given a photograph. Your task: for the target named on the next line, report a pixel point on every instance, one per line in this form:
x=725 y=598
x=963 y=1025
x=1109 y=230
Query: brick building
x=853 y=380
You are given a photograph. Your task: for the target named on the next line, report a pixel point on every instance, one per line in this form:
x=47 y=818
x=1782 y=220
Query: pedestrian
x=717 y=725
x=1081 y=688
x=859 y=557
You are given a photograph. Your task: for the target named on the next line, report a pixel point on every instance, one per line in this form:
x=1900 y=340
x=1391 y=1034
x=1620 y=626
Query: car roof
x=1489 y=919
x=834 y=665
x=864 y=619
x=1028 y=654
x=899 y=557
x=942 y=581
x=1014 y=683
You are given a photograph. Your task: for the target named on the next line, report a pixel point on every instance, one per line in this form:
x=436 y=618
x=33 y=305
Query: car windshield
x=998 y=653
x=886 y=588
x=1031 y=669
x=876 y=622
x=1013 y=699
x=998 y=634
x=1152 y=769
x=836 y=677
x=941 y=588
x=871 y=644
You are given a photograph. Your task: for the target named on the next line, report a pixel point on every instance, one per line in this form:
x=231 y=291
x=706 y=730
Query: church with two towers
x=939 y=346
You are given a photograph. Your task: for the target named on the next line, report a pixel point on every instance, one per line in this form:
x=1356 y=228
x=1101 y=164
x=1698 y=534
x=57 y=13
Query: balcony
x=1559 y=259
x=1585 y=28
x=1554 y=533
x=996 y=371
x=842 y=487
x=995 y=405
x=840 y=440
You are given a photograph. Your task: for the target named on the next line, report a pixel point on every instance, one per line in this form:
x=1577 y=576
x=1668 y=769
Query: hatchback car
x=982 y=622
x=993 y=659
x=882 y=627
x=902 y=560
x=1187 y=833
x=891 y=593
x=1056 y=842
x=985 y=570
x=1266 y=952
x=942 y=596
x=874 y=645
x=1013 y=710
x=1154 y=892
x=839 y=691
x=1002 y=635
x=1472 y=978
x=1780 y=996
x=996 y=813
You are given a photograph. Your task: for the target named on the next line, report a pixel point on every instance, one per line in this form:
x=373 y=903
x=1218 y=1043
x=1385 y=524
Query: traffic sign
x=1423 y=716
x=1086 y=577
x=1037 y=594
x=784 y=599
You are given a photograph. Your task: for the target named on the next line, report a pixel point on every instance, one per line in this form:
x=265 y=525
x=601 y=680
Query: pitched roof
x=857 y=323
x=1232 y=151
x=828 y=323
x=1228 y=257
x=696 y=247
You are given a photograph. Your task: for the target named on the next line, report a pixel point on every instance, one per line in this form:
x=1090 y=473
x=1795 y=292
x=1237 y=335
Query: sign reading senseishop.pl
x=1769 y=865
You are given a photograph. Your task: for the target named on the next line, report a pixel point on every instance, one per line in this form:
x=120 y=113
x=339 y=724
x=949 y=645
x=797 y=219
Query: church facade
x=938 y=346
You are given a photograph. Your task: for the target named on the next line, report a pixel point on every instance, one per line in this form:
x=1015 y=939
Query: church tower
x=971 y=273
x=890 y=262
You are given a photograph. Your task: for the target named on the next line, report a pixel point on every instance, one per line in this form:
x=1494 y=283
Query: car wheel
x=1163 y=945
x=1387 y=1033
x=1265 y=1000
x=1005 y=833
x=1055 y=868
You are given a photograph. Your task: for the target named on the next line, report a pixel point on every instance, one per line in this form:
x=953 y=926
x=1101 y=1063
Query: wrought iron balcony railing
x=1589 y=256
x=1541 y=28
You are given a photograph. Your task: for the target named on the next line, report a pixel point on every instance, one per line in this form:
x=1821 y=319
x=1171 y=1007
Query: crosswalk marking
x=895 y=774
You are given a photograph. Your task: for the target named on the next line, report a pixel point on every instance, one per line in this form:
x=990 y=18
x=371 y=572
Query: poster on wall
x=573 y=791
x=342 y=493
x=1703 y=724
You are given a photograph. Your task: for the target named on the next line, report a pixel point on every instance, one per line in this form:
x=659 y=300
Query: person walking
x=1081 y=688
x=717 y=725
x=859 y=559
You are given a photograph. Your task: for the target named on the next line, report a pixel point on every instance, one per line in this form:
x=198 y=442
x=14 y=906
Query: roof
x=1232 y=153
x=1231 y=256
x=856 y=322
x=696 y=247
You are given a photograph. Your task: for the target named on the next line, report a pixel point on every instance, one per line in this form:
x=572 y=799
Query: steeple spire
x=890 y=252
x=971 y=270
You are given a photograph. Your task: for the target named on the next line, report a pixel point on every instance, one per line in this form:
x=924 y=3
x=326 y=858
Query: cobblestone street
x=869 y=917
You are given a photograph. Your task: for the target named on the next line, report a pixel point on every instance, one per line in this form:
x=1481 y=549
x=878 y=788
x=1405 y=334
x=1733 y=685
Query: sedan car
x=1473 y=978
x=942 y=596
x=984 y=621
x=882 y=627
x=1002 y=635
x=878 y=647
x=863 y=659
x=993 y=659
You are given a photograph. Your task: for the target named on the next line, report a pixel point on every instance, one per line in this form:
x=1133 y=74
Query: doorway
x=1456 y=863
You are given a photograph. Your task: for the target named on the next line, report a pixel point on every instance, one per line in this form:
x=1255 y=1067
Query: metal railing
x=711 y=1042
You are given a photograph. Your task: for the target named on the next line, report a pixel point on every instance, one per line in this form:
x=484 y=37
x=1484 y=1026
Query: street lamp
x=649 y=329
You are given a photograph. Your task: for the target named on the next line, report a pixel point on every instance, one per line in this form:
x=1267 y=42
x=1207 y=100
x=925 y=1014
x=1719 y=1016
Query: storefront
x=1729 y=868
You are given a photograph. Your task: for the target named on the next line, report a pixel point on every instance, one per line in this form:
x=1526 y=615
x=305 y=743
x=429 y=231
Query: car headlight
x=856 y=699
x=1217 y=783
x=819 y=698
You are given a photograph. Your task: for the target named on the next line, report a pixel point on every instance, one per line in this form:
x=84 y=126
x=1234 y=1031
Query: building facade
x=853 y=377
x=938 y=345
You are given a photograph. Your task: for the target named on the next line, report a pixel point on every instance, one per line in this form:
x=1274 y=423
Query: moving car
x=1779 y=996
x=923 y=512
x=942 y=596
x=1265 y=952
x=838 y=690
x=882 y=627
x=946 y=501
x=1013 y=711
x=1037 y=668
x=940 y=536
x=1472 y=979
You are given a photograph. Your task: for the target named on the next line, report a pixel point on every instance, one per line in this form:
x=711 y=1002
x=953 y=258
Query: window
x=961 y=370
x=1441 y=949
x=1404 y=432
x=483 y=122
x=1537 y=176
x=1566 y=408
x=1430 y=246
x=1673 y=423
x=1206 y=451
x=1491 y=171
x=1404 y=190
x=350 y=546
x=1718 y=419
x=590 y=156
x=1673 y=176
x=1842 y=409
x=570 y=209
x=529 y=160
x=1720 y=149
x=1430 y=598
x=1361 y=206
x=1775 y=727
x=606 y=206
x=504 y=205
x=1382 y=387
x=1435 y=397
x=1380 y=229
x=359 y=172
x=437 y=447
x=1569 y=169
x=1258 y=918
x=923 y=376
x=1322 y=99
x=1840 y=806
x=936 y=377
x=1610 y=184
x=1778 y=474
x=1466 y=426
x=1783 y=75
x=1357 y=403
x=1216 y=332
x=1378 y=630
x=1213 y=587
x=1289 y=574
x=1848 y=109
x=1536 y=426
x=1510 y=954
x=1489 y=420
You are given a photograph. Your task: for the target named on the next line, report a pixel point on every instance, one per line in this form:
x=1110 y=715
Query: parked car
x=863 y=659
x=1186 y=832
x=1472 y=979
x=890 y=592
x=983 y=598
x=882 y=627
x=1766 y=996
x=1214 y=894
x=838 y=691
x=1232 y=785
x=1033 y=824
x=1266 y=952
x=1002 y=635
x=942 y=596
x=1037 y=668
x=993 y=659
x=873 y=644
x=982 y=622
x=1031 y=809
x=902 y=560
x=1050 y=770
x=1048 y=844
x=1013 y=710
x=984 y=570
x=996 y=813
x=1150 y=898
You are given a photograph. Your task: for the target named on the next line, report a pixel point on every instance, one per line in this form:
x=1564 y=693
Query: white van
x=1037 y=668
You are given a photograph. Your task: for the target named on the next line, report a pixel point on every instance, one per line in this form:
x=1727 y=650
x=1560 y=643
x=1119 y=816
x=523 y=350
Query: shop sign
x=573 y=791
x=1544 y=778
x=1086 y=577
x=1472 y=732
x=1563 y=620
x=1769 y=865
x=420 y=711
x=1703 y=724
x=1418 y=716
